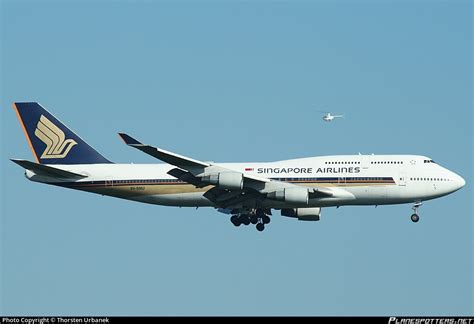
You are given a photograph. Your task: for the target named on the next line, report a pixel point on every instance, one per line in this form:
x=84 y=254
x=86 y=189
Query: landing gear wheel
x=415 y=218
x=260 y=227
x=245 y=219
x=254 y=219
x=235 y=220
x=266 y=219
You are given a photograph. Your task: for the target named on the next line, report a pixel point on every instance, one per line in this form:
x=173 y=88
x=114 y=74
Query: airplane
x=299 y=188
x=328 y=117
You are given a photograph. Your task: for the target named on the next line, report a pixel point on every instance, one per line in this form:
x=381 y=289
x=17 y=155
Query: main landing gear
x=415 y=218
x=257 y=217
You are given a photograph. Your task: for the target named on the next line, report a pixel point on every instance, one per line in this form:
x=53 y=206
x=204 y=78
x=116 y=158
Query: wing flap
x=187 y=177
x=228 y=198
x=320 y=193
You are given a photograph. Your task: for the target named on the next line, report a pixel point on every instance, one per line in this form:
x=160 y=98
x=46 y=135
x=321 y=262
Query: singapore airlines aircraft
x=299 y=188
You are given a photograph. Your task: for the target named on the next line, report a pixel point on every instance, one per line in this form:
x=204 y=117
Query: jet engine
x=305 y=214
x=296 y=195
x=227 y=180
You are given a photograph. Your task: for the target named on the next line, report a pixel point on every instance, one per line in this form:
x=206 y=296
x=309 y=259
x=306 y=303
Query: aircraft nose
x=459 y=181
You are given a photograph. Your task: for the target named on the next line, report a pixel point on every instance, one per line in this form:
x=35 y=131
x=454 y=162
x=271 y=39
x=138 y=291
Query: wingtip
x=127 y=139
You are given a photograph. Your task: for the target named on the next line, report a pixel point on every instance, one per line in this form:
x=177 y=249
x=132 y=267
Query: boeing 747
x=299 y=188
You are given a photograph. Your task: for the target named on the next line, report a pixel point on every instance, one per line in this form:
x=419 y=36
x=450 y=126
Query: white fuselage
x=365 y=180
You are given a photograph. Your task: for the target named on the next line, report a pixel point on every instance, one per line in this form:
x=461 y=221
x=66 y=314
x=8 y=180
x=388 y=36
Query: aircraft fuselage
x=367 y=179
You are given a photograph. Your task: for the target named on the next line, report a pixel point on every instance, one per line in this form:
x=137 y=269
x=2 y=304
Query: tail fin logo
x=57 y=146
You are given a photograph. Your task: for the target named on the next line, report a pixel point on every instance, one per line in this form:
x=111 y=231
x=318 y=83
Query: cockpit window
x=429 y=161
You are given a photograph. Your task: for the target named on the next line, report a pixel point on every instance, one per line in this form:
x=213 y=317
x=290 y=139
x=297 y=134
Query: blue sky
x=238 y=81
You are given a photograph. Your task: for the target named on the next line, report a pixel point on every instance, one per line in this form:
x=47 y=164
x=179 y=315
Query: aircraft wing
x=199 y=174
x=165 y=156
x=196 y=167
x=238 y=187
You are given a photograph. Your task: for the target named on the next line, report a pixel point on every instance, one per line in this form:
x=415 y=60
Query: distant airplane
x=328 y=117
x=247 y=191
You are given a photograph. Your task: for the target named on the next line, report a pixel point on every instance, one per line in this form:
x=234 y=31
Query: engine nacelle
x=305 y=214
x=296 y=195
x=227 y=180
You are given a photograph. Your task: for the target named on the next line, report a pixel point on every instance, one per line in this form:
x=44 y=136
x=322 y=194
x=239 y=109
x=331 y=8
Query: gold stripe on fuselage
x=141 y=189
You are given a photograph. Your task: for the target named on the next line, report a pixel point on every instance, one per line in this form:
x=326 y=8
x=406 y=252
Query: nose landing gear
x=415 y=218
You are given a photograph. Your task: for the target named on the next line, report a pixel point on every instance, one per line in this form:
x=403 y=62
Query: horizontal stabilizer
x=44 y=170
